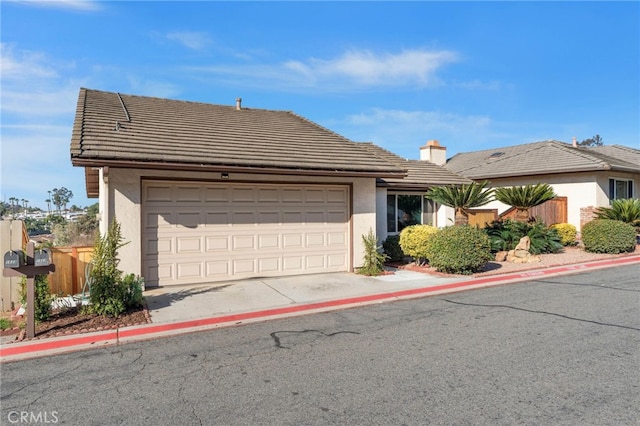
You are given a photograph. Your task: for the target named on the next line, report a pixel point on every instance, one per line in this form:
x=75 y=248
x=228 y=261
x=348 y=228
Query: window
x=408 y=209
x=620 y=188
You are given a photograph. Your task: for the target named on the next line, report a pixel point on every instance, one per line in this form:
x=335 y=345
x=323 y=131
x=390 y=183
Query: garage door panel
x=188 y=270
x=292 y=264
x=188 y=245
x=244 y=266
x=292 y=241
x=217 y=219
x=158 y=193
x=244 y=242
x=188 y=194
x=188 y=219
x=315 y=261
x=220 y=268
x=336 y=239
x=268 y=241
x=243 y=218
x=315 y=239
x=336 y=261
x=215 y=243
x=269 y=264
x=268 y=218
x=197 y=232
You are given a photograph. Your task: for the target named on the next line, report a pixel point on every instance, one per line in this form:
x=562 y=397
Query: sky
x=472 y=75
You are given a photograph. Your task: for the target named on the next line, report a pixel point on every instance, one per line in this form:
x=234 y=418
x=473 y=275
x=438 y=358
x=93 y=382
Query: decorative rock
x=521 y=253
x=501 y=256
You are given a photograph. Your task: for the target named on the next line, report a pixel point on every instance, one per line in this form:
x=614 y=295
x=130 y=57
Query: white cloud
x=403 y=132
x=24 y=65
x=408 y=67
x=80 y=5
x=192 y=40
x=354 y=70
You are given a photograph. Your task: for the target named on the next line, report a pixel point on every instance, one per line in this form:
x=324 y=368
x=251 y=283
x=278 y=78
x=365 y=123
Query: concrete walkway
x=175 y=310
x=173 y=304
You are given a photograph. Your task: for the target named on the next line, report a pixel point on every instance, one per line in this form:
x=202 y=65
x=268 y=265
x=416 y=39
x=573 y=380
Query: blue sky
x=473 y=75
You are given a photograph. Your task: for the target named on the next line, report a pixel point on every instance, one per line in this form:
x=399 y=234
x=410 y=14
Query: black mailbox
x=41 y=258
x=14 y=259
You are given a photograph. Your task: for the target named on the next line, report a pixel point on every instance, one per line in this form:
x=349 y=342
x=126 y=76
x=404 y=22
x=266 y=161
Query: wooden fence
x=69 y=276
x=480 y=217
x=550 y=212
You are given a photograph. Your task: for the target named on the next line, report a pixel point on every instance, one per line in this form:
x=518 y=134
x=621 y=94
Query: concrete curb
x=57 y=345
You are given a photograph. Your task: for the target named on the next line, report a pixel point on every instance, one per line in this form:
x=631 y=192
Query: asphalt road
x=560 y=350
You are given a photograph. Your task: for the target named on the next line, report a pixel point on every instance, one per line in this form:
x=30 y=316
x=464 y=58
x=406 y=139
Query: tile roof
x=139 y=131
x=420 y=174
x=546 y=157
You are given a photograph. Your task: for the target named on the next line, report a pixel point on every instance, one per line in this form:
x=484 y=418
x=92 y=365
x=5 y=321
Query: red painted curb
x=58 y=344
x=359 y=300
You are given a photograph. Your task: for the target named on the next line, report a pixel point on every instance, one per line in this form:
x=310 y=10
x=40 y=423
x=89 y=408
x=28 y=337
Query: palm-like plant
x=624 y=210
x=524 y=198
x=462 y=198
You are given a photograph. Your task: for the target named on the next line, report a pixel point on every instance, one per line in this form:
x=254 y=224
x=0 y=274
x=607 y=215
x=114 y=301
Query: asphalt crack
x=278 y=343
x=544 y=313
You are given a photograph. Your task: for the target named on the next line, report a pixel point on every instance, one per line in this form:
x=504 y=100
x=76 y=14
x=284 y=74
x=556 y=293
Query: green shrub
x=505 y=235
x=459 y=250
x=414 y=241
x=624 y=210
x=543 y=239
x=42 y=296
x=567 y=233
x=373 y=263
x=391 y=247
x=111 y=293
x=5 y=324
x=608 y=236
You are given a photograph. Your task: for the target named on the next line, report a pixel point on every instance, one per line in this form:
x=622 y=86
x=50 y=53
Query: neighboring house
x=588 y=177
x=401 y=202
x=207 y=193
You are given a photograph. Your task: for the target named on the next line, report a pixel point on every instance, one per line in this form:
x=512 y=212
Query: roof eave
x=543 y=172
x=92 y=166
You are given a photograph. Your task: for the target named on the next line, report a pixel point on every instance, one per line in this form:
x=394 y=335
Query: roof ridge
x=623 y=147
x=516 y=153
x=183 y=101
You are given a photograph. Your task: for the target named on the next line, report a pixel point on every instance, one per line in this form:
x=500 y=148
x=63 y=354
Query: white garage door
x=196 y=232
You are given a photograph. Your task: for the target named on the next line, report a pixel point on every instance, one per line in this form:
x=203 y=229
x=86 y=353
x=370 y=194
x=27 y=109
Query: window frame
x=613 y=188
x=424 y=210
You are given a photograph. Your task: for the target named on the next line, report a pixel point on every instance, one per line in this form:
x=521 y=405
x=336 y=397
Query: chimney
x=434 y=153
x=575 y=142
x=238 y=104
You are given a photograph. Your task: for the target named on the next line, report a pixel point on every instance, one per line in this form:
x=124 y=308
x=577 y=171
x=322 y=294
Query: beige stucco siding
x=581 y=189
x=122 y=200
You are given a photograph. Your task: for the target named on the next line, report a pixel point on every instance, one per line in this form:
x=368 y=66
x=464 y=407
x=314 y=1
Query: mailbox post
x=35 y=263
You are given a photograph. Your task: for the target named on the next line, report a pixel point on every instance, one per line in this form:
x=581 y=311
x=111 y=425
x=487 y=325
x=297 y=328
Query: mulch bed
x=71 y=321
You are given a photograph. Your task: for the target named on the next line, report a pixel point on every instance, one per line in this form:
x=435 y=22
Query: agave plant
x=525 y=197
x=462 y=198
x=625 y=210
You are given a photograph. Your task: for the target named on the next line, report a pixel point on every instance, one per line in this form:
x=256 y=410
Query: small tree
x=525 y=197
x=61 y=197
x=462 y=198
x=373 y=257
x=110 y=293
x=594 y=141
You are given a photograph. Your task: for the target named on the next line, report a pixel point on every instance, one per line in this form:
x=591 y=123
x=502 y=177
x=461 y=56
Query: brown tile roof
x=138 y=131
x=546 y=157
x=420 y=174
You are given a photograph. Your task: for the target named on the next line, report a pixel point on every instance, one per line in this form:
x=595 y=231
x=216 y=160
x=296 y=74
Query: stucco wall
x=123 y=198
x=581 y=190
